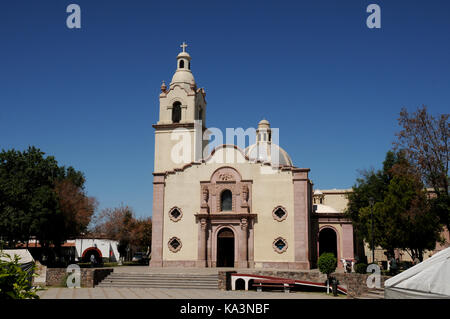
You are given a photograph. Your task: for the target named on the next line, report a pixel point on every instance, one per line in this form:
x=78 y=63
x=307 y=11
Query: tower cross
x=184 y=45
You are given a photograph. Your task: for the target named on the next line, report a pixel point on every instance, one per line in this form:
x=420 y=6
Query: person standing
x=93 y=261
x=393 y=266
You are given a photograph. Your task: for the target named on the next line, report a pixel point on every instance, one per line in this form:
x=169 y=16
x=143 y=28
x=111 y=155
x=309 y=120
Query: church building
x=233 y=207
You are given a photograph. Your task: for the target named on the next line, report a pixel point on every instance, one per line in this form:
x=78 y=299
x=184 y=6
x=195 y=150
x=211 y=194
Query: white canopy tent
x=429 y=279
x=26 y=261
x=24 y=255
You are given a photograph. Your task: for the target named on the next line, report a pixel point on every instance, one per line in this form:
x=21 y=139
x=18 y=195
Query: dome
x=262 y=151
x=184 y=55
x=183 y=76
x=318 y=192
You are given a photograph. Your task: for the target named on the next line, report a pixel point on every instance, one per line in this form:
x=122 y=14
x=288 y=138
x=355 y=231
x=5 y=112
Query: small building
x=104 y=250
x=76 y=250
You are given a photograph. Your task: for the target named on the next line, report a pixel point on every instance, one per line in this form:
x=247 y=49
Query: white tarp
x=24 y=254
x=428 y=279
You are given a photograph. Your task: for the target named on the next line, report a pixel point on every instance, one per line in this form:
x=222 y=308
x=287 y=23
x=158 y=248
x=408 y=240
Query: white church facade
x=233 y=207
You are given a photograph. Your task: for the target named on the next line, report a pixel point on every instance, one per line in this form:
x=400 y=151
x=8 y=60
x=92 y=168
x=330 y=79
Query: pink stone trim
x=180 y=263
x=338 y=241
x=223 y=178
x=225 y=170
x=157 y=220
x=347 y=241
x=301 y=215
x=215 y=231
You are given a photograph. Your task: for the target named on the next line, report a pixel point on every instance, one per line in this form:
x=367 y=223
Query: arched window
x=200 y=113
x=226 y=201
x=176 y=112
x=181 y=64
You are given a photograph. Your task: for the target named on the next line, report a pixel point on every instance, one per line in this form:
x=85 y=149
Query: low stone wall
x=356 y=284
x=89 y=276
x=225 y=279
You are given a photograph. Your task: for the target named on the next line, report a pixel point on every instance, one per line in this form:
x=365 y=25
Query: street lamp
x=371 y=202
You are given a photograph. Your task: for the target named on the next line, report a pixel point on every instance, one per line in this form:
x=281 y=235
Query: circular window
x=280 y=245
x=174 y=244
x=279 y=213
x=175 y=214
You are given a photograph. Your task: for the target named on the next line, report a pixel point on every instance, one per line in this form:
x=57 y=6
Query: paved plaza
x=170 y=293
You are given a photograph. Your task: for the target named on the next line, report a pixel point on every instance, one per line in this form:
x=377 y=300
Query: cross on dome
x=184 y=45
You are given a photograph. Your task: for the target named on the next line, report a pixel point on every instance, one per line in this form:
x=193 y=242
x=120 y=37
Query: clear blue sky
x=312 y=68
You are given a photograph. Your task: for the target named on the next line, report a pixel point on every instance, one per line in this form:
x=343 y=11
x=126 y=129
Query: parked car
x=140 y=257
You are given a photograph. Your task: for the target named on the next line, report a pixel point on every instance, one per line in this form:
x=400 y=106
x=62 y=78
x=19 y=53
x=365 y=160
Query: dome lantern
x=263 y=132
x=264 y=150
x=183 y=73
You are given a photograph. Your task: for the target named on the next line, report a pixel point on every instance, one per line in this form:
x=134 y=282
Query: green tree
x=402 y=213
x=32 y=201
x=327 y=264
x=371 y=184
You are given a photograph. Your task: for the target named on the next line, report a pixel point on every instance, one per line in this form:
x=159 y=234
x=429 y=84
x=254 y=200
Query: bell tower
x=182 y=113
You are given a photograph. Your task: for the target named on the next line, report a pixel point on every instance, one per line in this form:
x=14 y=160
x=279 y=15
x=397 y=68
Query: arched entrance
x=92 y=251
x=225 y=248
x=327 y=241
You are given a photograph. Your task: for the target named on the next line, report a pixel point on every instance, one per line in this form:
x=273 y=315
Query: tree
x=35 y=198
x=424 y=139
x=26 y=196
x=121 y=224
x=327 y=264
x=402 y=214
x=371 y=184
x=77 y=208
x=142 y=234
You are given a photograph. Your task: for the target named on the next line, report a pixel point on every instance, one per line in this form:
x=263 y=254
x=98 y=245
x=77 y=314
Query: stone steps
x=188 y=281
